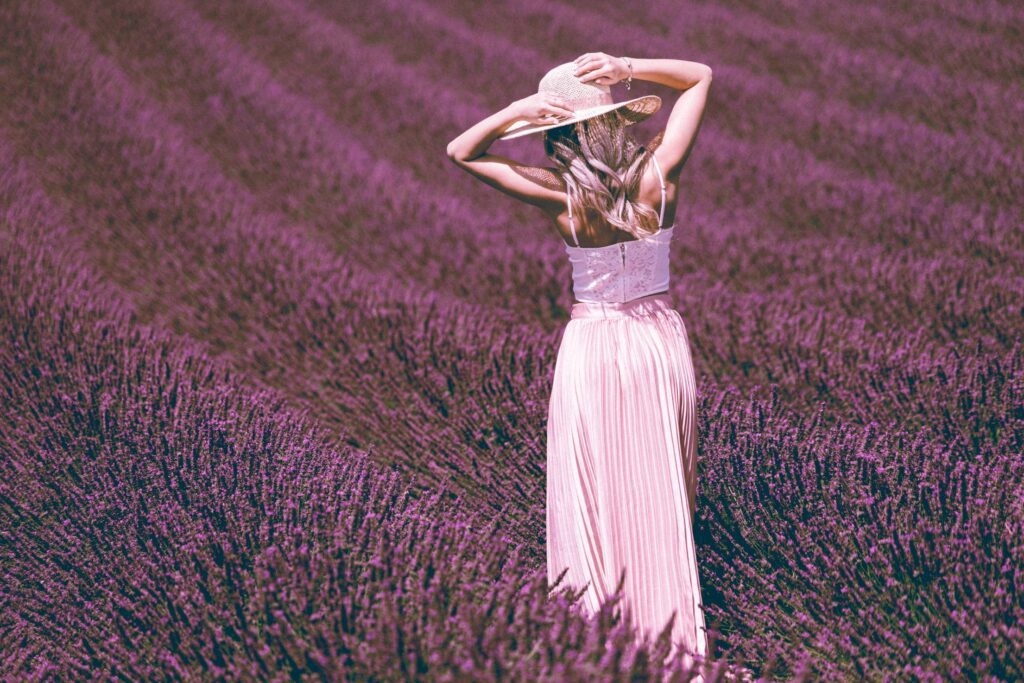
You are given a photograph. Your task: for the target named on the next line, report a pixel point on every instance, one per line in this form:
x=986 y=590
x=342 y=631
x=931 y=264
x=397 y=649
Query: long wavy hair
x=602 y=166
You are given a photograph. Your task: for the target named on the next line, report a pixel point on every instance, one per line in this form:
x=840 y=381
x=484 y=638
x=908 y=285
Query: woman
x=621 y=431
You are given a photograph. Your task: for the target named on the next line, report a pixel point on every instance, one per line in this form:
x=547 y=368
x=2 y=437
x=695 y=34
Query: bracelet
x=629 y=63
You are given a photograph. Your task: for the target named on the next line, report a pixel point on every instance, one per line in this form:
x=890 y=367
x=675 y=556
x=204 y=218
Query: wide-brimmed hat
x=587 y=100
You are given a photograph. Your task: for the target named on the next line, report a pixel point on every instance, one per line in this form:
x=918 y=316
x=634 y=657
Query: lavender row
x=910 y=552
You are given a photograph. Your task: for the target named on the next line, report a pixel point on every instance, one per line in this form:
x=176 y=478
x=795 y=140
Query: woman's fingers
x=559 y=106
x=587 y=61
x=594 y=74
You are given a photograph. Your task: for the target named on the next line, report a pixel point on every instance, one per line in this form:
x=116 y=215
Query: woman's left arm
x=475 y=141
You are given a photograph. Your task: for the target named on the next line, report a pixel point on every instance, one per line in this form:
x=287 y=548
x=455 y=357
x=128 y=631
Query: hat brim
x=636 y=110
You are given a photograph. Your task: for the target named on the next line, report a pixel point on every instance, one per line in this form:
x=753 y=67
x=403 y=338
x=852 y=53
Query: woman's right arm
x=694 y=79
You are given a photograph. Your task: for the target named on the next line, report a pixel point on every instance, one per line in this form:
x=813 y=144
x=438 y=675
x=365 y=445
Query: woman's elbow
x=455 y=156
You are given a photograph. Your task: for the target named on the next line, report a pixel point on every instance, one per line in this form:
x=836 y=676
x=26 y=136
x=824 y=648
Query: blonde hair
x=602 y=167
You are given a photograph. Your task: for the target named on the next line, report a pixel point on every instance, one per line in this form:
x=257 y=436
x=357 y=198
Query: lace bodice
x=624 y=271
x=621 y=272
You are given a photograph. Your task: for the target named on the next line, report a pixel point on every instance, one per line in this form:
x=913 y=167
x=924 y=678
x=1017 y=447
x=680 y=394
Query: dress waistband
x=636 y=308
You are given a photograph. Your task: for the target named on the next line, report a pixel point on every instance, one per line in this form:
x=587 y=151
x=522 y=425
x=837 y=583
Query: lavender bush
x=275 y=374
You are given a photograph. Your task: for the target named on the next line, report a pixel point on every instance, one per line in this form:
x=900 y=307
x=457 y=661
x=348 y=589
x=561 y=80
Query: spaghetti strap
x=661 y=179
x=572 y=225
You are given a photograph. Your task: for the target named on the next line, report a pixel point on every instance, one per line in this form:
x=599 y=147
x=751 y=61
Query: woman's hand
x=600 y=68
x=542 y=109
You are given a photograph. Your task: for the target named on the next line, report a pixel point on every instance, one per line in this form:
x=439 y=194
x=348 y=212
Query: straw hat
x=586 y=100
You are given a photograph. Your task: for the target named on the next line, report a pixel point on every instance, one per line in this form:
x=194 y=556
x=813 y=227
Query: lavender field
x=274 y=372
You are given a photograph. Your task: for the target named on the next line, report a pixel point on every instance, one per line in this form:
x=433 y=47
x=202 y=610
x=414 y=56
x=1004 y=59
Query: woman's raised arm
x=693 y=78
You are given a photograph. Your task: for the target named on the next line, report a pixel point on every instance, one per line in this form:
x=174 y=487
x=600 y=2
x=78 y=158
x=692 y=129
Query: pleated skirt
x=622 y=466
